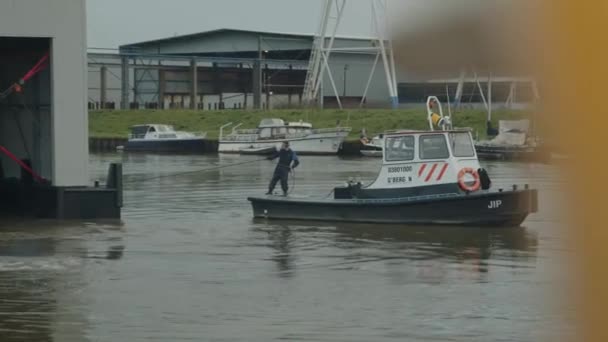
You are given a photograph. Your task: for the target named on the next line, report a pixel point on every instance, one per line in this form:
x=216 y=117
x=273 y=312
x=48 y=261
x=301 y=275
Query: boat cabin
x=279 y=129
x=423 y=163
x=152 y=131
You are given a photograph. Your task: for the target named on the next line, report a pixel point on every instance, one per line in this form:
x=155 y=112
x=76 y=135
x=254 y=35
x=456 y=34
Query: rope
x=41 y=65
x=192 y=172
x=293 y=181
x=23 y=139
x=23 y=165
x=38 y=67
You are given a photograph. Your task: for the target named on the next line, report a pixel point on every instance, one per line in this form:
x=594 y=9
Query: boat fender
x=462 y=183
x=486 y=182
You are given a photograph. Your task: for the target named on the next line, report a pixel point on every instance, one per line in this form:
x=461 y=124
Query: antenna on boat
x=447 y=96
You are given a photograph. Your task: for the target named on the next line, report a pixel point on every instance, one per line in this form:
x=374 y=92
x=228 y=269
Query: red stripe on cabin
x=445 y=168
x=428 y=178
x=421 y=171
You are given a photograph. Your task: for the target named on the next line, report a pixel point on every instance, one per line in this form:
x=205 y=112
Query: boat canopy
x=275 y=123
x=265 y=123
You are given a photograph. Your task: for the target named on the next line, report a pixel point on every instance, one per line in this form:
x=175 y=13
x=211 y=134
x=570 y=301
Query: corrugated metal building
x=226 y=69
x=160 y=73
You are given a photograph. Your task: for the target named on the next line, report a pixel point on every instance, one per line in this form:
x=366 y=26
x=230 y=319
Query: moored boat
x=372 y=148
x=427 y=177
x=163 y=138
x=271 y=133
x=513 y=141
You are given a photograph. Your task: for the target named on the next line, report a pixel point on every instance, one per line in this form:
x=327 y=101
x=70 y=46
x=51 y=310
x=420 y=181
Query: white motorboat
x=271 y=133
x=373 y=148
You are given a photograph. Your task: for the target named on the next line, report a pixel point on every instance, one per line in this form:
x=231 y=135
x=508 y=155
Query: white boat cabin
x=279 y=129
x=158 y=131
x=420 y=159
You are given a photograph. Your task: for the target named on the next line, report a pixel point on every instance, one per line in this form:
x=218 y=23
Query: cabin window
x=265 y=133
x=462 y=146
x=139 y=132
x=433 y=147
x=152 y=130
x=400 y=148
x=279 y=131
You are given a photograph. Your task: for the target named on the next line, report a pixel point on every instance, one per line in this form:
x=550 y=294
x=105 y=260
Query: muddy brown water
x=188 y=263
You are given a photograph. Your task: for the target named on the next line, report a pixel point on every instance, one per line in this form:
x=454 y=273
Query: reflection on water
x=188 y=262
x=475 y=249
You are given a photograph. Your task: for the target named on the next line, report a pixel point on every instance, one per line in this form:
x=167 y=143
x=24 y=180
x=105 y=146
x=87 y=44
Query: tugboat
x=163 y=138
x=427 y=178
x=271 y=133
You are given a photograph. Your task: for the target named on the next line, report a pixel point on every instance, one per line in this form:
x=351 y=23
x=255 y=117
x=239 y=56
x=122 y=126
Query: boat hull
x=181 y=145
x=327 y=144
x=372 y=153
x=495 y=209
x=510 y=153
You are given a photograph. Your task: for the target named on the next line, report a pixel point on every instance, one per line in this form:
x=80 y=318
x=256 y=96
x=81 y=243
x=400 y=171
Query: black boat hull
x=495 y=209
x=184 y=145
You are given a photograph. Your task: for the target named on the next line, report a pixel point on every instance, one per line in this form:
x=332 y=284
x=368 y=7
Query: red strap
x=23 y=165
x=41 y=65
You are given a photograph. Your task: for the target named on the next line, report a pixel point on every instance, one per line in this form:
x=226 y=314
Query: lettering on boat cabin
x=399 y=179
x=400 y=169
x=495 y=204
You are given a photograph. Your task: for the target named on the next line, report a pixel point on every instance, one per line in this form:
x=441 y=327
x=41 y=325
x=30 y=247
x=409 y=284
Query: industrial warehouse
x=241 y=69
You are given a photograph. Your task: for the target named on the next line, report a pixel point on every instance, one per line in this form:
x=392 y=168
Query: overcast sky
x=115 y=22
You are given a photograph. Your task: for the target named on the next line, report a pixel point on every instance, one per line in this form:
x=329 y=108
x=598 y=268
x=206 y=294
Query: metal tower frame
x=323 y=46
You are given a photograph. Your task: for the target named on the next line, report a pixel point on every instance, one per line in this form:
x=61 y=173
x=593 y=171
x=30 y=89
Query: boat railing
x=408 y=199
x=332 y=130
x=246 y=131
x=241 y=137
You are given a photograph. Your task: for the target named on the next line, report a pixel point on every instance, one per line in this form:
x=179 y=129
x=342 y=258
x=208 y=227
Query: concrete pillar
x=162 y=84
x=289 y=90
x=103 y=86
x=125 y=83
x=257 y=84
x=267 y=86
x=258 y=77
x=194 y=84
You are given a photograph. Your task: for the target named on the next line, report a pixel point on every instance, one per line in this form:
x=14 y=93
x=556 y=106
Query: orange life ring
x=463 y=185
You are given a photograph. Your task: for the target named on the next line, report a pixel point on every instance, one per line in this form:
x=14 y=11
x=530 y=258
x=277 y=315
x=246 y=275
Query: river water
x=188 y=263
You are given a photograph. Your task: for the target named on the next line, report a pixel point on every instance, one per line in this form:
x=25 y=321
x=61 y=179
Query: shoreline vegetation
x=116 y=123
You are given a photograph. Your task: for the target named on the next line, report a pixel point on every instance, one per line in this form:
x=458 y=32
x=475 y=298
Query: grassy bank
x=115 y=124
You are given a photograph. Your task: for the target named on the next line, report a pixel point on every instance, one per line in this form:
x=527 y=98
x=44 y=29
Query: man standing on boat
x=288 y=160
